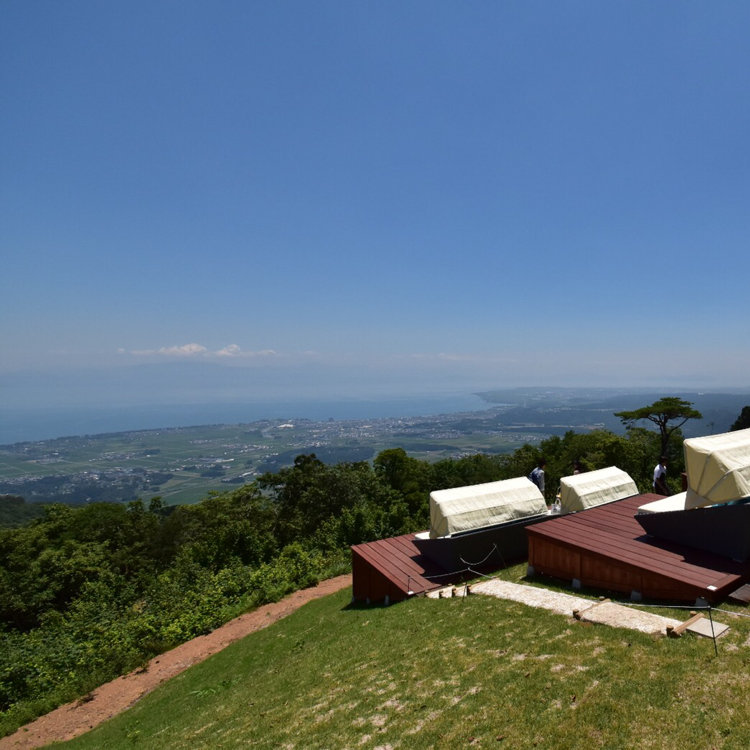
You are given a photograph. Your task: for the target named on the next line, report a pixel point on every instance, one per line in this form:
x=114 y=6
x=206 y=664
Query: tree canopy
x=662 y=412
x=743 y=421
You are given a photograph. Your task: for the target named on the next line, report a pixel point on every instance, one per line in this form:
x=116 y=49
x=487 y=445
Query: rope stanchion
x=713 y=633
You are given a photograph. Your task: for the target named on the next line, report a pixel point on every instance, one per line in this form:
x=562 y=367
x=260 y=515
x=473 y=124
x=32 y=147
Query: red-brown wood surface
x=605 y=547
x=392 y=567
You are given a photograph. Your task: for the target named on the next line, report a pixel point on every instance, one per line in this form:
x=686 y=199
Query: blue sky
x=346 y=197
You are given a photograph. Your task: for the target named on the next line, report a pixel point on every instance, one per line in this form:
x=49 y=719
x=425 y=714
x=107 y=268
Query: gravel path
x=605 y=613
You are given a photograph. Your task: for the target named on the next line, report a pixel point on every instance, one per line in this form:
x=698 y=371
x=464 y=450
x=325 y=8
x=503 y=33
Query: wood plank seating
x=741 y=595
x=390 y=570
x=605 y=547
x=602 y=547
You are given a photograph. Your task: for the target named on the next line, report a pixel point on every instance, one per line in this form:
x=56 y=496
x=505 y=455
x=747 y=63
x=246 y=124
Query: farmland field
x=183 y=464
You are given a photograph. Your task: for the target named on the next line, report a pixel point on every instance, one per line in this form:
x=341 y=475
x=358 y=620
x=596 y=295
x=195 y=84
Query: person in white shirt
x=660 y=477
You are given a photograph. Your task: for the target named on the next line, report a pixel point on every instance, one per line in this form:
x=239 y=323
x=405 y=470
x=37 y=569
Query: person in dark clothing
x=537 y=475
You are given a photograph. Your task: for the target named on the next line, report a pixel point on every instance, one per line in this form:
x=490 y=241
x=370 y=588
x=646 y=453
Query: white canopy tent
x=592 y=488
x=718 y=468
x=481 y=505
x=665 y=505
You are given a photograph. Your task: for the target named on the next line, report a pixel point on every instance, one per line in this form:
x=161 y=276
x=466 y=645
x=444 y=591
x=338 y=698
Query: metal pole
x=713 y=634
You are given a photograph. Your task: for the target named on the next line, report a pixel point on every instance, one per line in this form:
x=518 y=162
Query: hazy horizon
x=207 y=202
x=36 y=421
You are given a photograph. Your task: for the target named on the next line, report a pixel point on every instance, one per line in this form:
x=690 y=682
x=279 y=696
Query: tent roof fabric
x=666 y=504
x=718 y=468
x=592 y=488
x=481 y=505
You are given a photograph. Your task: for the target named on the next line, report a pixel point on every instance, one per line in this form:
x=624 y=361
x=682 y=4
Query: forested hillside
x=89 y=593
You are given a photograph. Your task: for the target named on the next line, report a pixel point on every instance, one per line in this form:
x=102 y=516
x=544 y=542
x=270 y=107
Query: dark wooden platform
x=392 y=570
x=606 y=548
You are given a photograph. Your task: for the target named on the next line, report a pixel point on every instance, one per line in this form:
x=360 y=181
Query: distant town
x=185 y=464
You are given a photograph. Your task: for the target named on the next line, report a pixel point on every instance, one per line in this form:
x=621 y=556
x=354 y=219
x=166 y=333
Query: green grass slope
x=448 y=673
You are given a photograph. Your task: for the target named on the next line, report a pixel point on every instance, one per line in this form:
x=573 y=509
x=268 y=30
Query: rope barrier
x=663 y=606
x=445 y=575
x=483 y=575
x=729 y=612
x=481 y=562
x=479 y=574
x=695 y=608
x=468 y=569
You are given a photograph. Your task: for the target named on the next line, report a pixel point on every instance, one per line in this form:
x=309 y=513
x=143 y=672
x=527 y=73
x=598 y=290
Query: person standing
x=660 y=477
x=537 y=475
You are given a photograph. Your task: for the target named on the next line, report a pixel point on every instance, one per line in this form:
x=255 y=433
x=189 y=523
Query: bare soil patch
x=72 y=719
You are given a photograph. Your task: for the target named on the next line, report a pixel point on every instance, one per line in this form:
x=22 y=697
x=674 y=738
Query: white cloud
x=193 y=350
x=229 y=351
x=186 y=350
x=234 y=351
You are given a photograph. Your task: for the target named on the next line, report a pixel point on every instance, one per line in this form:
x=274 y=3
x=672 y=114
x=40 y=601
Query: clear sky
x=347 y=196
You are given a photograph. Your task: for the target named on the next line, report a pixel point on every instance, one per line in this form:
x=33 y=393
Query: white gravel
x=605 y=613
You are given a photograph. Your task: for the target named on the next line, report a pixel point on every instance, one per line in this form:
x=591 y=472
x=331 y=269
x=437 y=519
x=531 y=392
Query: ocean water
x=30 y=424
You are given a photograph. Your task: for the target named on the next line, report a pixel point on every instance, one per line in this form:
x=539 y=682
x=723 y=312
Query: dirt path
x=106 y=701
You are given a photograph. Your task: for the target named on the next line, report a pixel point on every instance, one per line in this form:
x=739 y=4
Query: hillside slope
x=76 y=718
x=442 y=674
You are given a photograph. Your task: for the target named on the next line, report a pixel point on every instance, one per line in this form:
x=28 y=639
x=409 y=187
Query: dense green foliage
x=88 y=593
x=15 y=511
x=743 y=421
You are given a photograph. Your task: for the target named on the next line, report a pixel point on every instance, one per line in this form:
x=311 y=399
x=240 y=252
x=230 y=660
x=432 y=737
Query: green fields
x=182 y=465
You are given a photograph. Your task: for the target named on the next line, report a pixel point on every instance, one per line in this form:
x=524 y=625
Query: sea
x=34 y=424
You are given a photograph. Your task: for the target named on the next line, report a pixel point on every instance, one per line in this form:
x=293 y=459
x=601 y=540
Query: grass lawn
x=448 y=673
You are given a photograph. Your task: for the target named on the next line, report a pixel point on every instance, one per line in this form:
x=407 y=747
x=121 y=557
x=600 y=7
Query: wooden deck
x=392 y=570
x=606 y=548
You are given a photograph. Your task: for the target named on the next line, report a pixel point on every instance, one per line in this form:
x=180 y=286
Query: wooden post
x=678 y=630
